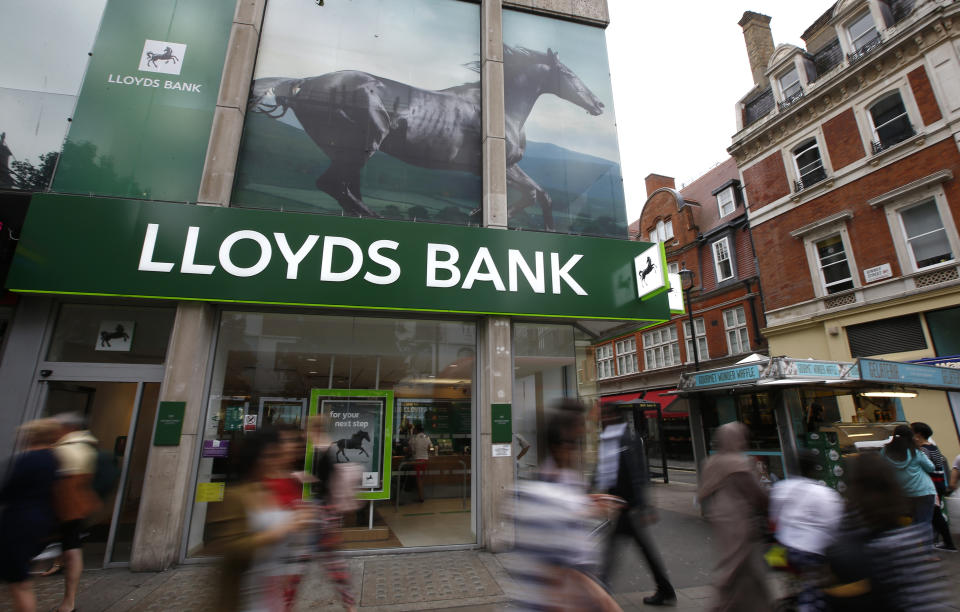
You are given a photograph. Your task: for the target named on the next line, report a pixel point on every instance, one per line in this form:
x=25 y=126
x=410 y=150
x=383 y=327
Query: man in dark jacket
x=622 y=472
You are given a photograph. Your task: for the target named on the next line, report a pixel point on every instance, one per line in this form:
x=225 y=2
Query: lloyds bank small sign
x=133 y=248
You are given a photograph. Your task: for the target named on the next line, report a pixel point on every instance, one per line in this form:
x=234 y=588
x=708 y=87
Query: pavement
x=462 y=581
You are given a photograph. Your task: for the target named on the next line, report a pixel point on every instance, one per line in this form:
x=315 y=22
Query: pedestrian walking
x=28 y=517
x=622 y=471
x=912 y=472
x=735 y=505
x=554 y=564
x=922 y=434
x=877 y=563
x=806 y=514
x=74 y=497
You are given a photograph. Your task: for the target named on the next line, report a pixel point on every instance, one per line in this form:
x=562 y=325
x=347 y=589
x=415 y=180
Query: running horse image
x=351 y=115
x=355 y=442
x=166 y=57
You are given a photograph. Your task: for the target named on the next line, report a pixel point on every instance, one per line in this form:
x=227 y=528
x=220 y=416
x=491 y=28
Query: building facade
x=265 y=210
x=704 y=229
x=848 y=155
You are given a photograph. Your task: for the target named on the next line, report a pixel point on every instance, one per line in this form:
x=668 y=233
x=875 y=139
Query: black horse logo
x=355 y=442
x=118 y=333
x=646 y=272
x=165 y=57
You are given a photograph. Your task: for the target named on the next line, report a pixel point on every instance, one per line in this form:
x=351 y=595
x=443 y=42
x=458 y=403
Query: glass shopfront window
x=93 y=333
x=267 y=365
x=756 y=411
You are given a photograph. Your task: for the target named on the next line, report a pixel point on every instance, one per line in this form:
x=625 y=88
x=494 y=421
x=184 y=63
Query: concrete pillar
x=494 y=130
x=17 y=369
x=216 y=184
x=496 y=387
x=166 y=493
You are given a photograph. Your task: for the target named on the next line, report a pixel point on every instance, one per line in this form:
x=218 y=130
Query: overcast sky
x=677 y=69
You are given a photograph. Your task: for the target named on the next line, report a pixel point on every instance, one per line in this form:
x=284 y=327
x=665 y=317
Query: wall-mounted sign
x=209 y=492
x=501 y=426
x=249 y=422
x=877 y=273
x=115 y=336
x=233 y=417
x=178 y=251
x=675 y=294
x=650 y=268
x=169 y=423
x=215 y=449
x=360 y=424
x=142 y=121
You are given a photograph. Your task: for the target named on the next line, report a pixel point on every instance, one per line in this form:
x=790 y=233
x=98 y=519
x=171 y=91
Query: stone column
x=223 y=148
x=166 y=491
x=495 y=341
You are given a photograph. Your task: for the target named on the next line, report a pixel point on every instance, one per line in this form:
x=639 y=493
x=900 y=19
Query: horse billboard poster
x=358 y=424
x=360 y=109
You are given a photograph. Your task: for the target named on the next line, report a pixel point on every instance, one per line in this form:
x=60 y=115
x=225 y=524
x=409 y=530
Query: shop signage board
x=115 y=336
x=727 y=376
x=800 y=368
x=169 y=423
x=501 y=429
x=360 y=424
x=174 y=251
x=143 y=117
x=215 y=449
x=914 y=374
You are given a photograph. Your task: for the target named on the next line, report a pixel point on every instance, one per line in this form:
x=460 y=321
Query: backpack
x=106 y=473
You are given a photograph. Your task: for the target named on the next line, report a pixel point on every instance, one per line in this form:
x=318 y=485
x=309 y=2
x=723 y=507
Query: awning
x=664 y=397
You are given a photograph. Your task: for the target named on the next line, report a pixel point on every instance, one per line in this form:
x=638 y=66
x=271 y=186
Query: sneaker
x=661 y=598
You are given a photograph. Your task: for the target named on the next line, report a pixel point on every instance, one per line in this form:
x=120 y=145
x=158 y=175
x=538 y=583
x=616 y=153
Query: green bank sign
x=91 y=246
x=142 y=121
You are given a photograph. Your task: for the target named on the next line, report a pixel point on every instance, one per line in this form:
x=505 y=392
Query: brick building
x=704 y=229
x=848 y=155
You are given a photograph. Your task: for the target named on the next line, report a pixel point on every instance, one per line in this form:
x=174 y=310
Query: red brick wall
x=784 y=272
x=766 y=181
x=923 y=94
x=843 y=139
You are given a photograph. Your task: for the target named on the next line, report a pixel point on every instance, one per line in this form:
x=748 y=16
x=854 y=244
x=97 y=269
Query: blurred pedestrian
x=28 y=517
x=335 y=490
x=806 y=515
x=912 y=471
x=954 y=476
x=74 y=498
x=420 y=445
x=922 y=434
x=735 y=505
x=622 y=472
x=876 y=562
x=555 y=561
x=256 y=529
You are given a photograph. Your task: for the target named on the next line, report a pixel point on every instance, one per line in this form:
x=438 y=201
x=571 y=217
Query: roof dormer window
x=863 y=35
x=790 y=87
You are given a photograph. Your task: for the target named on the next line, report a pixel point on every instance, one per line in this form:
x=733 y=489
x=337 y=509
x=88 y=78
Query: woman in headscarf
x=734 y=503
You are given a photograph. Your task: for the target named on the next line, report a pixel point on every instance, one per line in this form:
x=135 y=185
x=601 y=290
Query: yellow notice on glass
x=209 y=492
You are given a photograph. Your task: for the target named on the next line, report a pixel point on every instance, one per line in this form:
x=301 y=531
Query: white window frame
x=664 y=347
x=831 y=226
x=673 y=268
x=605 y=361
x=726 y=202
x=663 y=231
x=739 y=329
x=846 y=255
x=865 y=37
x=626 y=352
x=906 y=239
x=700 y=326
x=874 y=128
x=909 y=199
x=716 y=259
x=795 y=83
x=805 y=145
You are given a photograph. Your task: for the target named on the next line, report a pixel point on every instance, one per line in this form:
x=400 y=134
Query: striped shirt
x=552 y=532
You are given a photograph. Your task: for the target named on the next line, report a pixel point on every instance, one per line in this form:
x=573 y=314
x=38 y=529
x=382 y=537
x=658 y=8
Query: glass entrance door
x=120 y=416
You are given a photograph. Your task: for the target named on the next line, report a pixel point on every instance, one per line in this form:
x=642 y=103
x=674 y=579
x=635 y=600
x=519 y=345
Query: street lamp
x=687 y=280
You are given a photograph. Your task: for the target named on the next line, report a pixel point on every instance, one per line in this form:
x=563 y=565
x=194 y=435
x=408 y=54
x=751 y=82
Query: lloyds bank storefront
x=401 y=215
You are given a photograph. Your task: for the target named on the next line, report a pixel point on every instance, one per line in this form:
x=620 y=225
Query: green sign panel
x=95 y=246
x=143 y=117
x=501 y=429
x=233 y=418
x=169 y=423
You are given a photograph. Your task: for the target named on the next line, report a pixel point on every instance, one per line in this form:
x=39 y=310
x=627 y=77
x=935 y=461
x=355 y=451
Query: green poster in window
x=169 y=423
x=233 y=418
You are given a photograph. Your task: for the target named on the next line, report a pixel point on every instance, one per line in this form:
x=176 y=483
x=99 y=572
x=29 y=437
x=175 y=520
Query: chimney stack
x=759 y=39
x=658 y=181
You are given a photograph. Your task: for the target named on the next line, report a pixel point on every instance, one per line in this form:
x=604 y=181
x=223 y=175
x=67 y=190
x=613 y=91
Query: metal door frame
x=100 y=372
